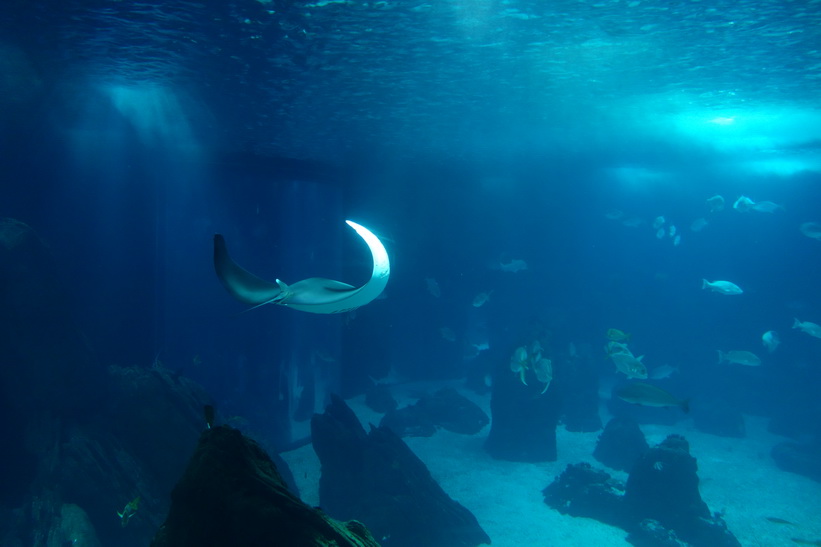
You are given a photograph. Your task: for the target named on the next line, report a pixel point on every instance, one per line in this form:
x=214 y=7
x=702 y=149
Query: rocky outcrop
x=374 y=477
x=660 y=504
x=621 y=444
x=80 y=440
x=232 y=494
x=801 y=458
x=523 y=425
x=446 y=409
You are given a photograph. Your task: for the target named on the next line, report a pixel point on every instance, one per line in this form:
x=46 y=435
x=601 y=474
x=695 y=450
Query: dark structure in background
x=80 y=440
x=660 y=505
x=232 y=494
x=376 y=478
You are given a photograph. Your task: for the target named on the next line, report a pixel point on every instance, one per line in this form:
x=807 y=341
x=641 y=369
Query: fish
x=631 y=366
x=676 y=241
x=658 y=222
x=544 y=372
x=518 y=362
x=614 y=214
x=810 y=328
x=632 y=222
x=660 y=233
x=672 y=231
x=515 y=265
x=806 y=541
x=481 y=299
x=315 y=294
x=715 y=203
x=770 y=340
x=128 y=511
x=739 y=357
x=643 y=394
x=723 y=287
x=433 y=287
x=767 y=207
x=616 y=335
x=699 y=224
x=811 y=230
x=663 y=371
x=777 y=520
x=743 y=204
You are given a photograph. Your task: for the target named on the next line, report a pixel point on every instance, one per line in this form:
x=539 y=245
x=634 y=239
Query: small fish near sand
x=643 y=394
x=776 y=520
x=800 y=541
x=810 y=328
x=723 y=287
x=739 y=357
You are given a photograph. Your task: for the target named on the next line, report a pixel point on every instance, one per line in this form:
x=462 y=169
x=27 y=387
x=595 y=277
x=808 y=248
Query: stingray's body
x=315 y=294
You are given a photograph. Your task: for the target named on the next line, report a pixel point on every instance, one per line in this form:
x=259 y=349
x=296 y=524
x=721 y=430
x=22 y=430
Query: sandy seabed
x=737 y=478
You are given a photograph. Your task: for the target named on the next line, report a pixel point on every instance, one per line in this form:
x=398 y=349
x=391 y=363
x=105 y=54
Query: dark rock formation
x=374 y=477
x=581 y=491
x=663 y=486
x=232 y=494
x=523 y=426
x=80 y=440
x=660 y=505
x=446 y=409
x=719 y=418
x=801 y=458
x=620 y=444
x=652 y=534
x=378 y=397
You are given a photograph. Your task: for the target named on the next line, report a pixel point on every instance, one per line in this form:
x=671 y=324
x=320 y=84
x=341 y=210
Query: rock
x=581 y=491
x=801 y=458
x=232 y=494
x=660 y=505
x=378 y=397
x=719 y=418
x=523 y=425
x=651 y=533
x=409 y=422
x=663 y=486
x=446 y=409
x=374 y=477
x=621 y=444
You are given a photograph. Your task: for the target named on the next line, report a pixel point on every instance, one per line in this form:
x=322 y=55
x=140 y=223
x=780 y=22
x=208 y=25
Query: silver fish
x=739 y=357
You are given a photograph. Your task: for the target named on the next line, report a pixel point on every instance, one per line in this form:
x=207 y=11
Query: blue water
x=464 y=134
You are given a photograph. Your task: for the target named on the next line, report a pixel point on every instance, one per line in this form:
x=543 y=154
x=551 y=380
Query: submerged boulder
x=660 y=504
x=446 y=408
x=232 y=494
x=801 y=458
x=524 y=420
x=374 y=477
x=620 y=444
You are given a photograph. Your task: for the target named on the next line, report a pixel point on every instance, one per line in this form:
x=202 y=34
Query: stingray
x=315 y=294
